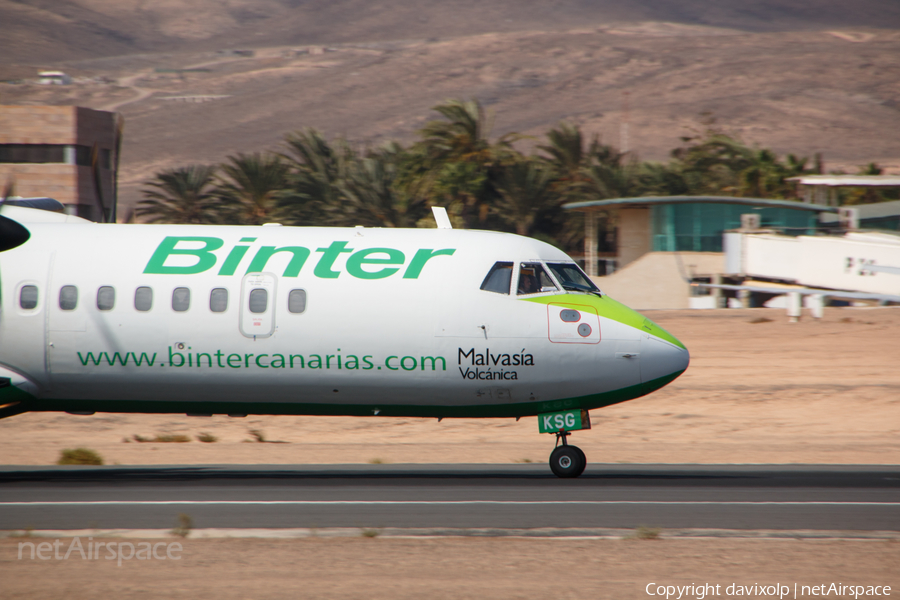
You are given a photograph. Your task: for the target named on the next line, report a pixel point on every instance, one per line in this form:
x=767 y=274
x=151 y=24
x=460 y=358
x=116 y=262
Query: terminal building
x=69 y=153
x=664 y=243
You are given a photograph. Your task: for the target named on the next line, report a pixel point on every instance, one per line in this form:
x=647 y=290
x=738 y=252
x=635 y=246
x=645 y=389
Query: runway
x=862 y=497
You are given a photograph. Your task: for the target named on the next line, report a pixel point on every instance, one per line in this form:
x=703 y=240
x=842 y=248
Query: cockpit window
x=572 y=278
x=533 y=279
x=498 y=278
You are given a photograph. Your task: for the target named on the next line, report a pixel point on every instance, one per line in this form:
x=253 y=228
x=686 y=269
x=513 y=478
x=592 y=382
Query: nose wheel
x=565 y=460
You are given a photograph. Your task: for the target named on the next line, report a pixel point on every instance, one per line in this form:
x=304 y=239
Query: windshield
x=533 y=279
x=572 y=278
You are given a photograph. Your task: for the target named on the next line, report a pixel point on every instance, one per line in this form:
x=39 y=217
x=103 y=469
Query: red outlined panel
x=572 y=324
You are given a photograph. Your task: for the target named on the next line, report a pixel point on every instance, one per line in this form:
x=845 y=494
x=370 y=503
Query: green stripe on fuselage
x=611 y=309
x=519 y=409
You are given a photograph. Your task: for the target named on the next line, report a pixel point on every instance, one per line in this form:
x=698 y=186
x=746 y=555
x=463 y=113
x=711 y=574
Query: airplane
x=273 y=320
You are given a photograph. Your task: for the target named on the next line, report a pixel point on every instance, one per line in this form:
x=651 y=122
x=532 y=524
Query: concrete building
x=68 y=153
x=882 y=215
x=685 y=223
x=823 y=189
x=662 y=241
x=53 y=78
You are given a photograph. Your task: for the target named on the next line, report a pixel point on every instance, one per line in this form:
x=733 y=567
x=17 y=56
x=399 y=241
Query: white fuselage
x=350 y=321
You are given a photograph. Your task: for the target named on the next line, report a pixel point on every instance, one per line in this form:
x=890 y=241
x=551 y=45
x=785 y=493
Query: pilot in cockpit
x=528 y=283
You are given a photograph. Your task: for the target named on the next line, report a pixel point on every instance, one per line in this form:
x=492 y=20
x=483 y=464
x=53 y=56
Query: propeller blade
x=8 y=191
x=120 y=128
x=12 y=234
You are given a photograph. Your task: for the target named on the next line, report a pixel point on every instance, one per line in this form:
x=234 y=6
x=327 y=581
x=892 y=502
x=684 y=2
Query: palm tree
x=463 y=135
x=317 y=168
x=253 y=185
x=765 y=177
x=526 y=194
x=713 y=164
x=867 y=195
x=566 y=149
x=182 y=195
x=376 y=194
x=459 y=160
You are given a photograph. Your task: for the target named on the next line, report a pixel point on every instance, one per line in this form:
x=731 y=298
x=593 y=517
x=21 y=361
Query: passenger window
x=143 y=298
x=533 y=279
x=68 y=297
x=218 y=300
x=498 y=278
x=297 y=301
x=181 y=299
x=106 y=297
x=28 y=297
x=259 y=300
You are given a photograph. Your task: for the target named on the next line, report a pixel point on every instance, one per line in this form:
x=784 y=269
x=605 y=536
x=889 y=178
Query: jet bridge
x=865 y=262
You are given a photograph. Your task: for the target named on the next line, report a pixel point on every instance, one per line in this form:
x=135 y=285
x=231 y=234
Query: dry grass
x=79 y=456
x=183 y=528
x=165 y=438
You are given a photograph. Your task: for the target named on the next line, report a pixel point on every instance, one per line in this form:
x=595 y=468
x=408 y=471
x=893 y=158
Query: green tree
x=317 y=168
x=718 y=164
x=376 y=194
x=182 y=195
x=712 y=165
x=565 y=147
x=251 y=187
x=459 y=163
x=526 y=195
x=868 y=195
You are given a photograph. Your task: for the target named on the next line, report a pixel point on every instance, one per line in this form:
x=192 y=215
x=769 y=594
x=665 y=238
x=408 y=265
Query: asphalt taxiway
x=790 y=497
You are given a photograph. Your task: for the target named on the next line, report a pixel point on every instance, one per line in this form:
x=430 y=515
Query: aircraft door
x=257 y=314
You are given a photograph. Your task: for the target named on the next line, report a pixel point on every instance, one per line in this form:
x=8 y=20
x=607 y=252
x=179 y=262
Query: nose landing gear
x=565 y=460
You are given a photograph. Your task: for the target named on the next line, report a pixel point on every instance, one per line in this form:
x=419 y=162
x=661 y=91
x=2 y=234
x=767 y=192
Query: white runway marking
x=433 y=502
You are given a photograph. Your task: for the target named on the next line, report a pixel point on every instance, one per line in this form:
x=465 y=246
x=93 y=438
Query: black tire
x=567 y=461
x=583 y=460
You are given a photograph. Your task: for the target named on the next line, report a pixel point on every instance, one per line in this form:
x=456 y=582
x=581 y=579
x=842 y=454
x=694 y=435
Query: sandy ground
x=756 y=392
x=397 y=569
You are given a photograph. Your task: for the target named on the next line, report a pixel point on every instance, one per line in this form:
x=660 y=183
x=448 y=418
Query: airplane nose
x=661 y=362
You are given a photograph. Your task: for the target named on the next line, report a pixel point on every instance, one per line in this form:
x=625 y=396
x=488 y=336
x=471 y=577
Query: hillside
x=784 y=75
x=51 y=30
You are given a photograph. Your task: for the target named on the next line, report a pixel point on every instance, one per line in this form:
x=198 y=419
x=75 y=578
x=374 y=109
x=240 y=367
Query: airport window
x=28 y=297
x=54 y=153
x=106 y=297
x=68 y=297
x=143 y=298
x=181 y=299
x=218 y=300
x=259 y=300
x=32 y=153
x=572 y=278
x=297 y=301
x=533 y=279
x=498 y=278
